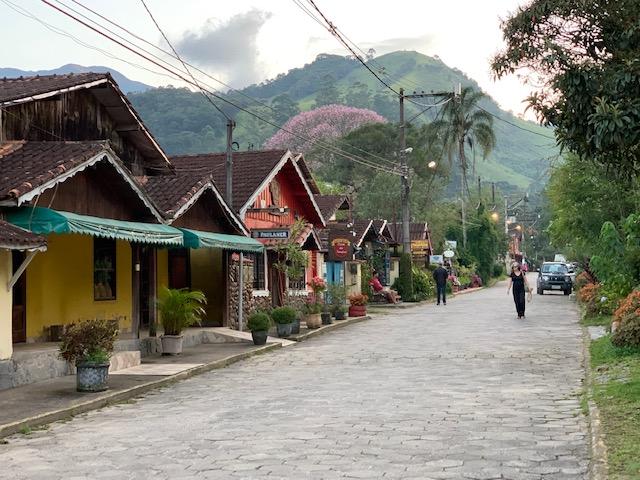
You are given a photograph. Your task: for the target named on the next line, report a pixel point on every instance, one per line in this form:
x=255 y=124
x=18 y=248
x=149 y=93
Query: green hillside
x=184 y=123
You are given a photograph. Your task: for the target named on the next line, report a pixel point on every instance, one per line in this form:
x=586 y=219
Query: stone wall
x=248 y=300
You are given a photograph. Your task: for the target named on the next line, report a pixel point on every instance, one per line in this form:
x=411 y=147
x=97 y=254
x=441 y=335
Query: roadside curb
x=116 y=397
x=390 y=307
x=327 y=328
x=468 y=290
x=598 y=466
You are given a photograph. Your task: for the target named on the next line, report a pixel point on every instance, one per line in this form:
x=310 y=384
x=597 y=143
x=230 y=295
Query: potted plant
x=358 y=305
x=337 y=298
x=88 y=345
x=313 y=319
x=283 y=317
x=295 y=326
x=325 y=316
x=179 y=309
x=259 y=324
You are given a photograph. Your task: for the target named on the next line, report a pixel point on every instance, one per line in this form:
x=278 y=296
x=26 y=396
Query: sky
x=248 y=41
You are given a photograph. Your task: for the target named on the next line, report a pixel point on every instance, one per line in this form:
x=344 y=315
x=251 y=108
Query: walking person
x=518 y=280
x=440 y=275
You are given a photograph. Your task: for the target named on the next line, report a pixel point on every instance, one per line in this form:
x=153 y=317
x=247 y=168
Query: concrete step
x=124 y=359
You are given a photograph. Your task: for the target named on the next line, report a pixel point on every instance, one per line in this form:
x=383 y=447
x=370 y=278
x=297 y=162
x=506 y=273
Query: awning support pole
x=241 y=293
x=25 y=263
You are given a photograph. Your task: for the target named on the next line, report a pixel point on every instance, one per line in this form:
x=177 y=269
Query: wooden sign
x=339 y=249
x=420 y=246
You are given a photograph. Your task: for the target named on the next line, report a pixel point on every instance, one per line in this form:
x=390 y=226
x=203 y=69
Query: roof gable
x=252 y=172
x=330 y=204
x=129 y=125
x=176 y=194
x=27 y=169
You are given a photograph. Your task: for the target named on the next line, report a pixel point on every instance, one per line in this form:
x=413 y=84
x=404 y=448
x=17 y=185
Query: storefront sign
x=270 y=234
x=436 y=259
x=420 y=247
x=339 y=249
x=451 y=244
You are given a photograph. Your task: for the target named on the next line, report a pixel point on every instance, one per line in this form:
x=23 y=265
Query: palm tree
x=464 y=124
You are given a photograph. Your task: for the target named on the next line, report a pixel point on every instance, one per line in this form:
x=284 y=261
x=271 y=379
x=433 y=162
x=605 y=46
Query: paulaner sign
x=270 y=234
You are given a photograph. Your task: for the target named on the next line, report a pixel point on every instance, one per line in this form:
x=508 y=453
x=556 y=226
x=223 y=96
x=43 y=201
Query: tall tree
x=582 y=55
x=358 y=96
x=463 y=125
x=284 y=108
x=327 y=94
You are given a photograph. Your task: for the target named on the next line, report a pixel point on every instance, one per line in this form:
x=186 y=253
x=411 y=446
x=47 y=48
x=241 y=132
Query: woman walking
x=518 y=280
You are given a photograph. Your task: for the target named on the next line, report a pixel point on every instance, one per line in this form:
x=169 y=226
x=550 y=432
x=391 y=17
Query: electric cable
x=323 y=145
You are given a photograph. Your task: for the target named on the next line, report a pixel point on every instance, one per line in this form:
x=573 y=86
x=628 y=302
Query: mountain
x=126 y=85
x=184 y=123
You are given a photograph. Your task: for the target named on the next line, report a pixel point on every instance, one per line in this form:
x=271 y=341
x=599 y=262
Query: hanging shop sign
x=420 y=247
x=436 y=259
x=339 y=248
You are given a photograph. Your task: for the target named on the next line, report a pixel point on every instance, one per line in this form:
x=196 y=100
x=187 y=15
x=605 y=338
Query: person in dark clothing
x=518 y=280
x=440 y=275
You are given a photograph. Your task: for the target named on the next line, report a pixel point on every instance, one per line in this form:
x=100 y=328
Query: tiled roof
x=330 y=204
x=357 y=232
x=418 y=231
x=172 y=192
x=249 y=170
x=12 y=89
x=25 y=166
x=15 y=238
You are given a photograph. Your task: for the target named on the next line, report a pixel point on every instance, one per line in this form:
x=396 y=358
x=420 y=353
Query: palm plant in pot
x=179 y=309
x=283 y=317
x=337 y=297
x=88 y=345
x=259 y=324
x=358 y=305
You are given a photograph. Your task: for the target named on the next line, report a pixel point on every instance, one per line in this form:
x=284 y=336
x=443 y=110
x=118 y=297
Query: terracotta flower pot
x=357 y=310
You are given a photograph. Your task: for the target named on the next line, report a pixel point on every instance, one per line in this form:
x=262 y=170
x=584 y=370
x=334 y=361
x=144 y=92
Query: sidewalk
x=44 y=402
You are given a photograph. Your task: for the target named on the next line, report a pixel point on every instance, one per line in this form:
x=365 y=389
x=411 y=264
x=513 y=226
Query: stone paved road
x=463 y=391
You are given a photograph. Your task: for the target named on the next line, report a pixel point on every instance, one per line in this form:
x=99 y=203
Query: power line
x=145 y=41
x=323 y=145
x=515 y=124
x=183 y=63
x=318 y=142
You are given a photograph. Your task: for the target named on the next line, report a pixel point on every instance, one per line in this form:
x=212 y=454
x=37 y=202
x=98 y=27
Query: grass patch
x=617 y=394
x=596 y=320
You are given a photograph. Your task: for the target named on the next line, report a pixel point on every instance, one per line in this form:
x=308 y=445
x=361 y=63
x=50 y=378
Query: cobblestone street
x=458 y=391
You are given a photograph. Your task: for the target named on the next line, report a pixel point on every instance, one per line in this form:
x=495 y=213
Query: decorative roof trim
x=194 y=198
x=364 y=233
x=112 y=158
x=52 y=93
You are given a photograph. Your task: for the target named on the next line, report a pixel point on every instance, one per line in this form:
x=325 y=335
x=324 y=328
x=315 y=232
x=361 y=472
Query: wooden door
x=179 y=268
x=19 y=312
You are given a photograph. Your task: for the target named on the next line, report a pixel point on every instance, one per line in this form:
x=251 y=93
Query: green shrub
x=498 y=270
x=259 y=322
x=423 y=284
x=180 y=308
x=628 y=333
x=337 y=295
x=366 y=274
x=89 y=341
x=405 y=279
x=283 y=315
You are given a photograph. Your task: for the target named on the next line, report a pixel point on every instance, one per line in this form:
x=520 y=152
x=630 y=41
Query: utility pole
x=404 y=179
x=229 y=163
x=404 y=168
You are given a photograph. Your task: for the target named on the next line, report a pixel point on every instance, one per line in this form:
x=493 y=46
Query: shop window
x=298 y=283
x=104 y=269
x=258 y=272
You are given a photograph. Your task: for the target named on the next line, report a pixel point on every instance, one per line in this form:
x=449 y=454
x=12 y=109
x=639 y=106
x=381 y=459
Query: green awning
x=45 y=221
x=237 y=243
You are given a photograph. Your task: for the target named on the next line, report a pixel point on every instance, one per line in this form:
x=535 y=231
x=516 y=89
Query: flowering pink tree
x=325 y=123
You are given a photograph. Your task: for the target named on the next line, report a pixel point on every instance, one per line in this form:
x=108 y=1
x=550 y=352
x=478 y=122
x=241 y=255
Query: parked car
x=554 y=276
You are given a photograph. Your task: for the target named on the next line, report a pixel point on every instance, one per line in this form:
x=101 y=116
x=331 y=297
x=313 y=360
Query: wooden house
x=270 y=193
